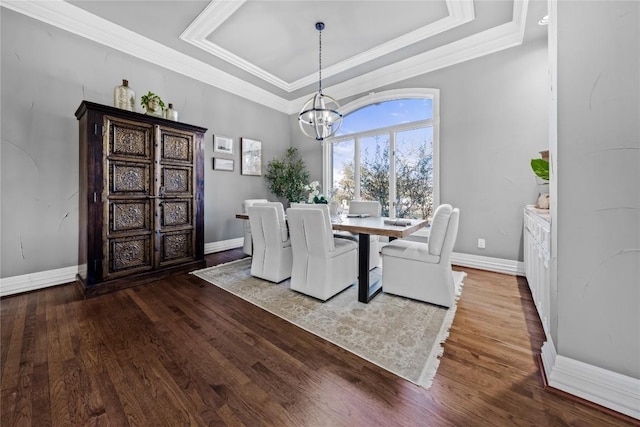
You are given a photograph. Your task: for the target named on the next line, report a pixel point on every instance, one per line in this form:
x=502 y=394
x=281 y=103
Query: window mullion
x=327 y=166
x=392 y=174
x=356 y=168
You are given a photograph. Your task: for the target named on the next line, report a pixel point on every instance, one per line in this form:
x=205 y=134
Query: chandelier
x=320 y=117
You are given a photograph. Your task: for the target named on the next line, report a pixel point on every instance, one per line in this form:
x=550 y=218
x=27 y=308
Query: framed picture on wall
x=222 y=164
x=222 y=144
x=251 y=157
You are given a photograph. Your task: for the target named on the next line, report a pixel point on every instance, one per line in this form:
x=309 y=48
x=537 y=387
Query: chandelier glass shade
x=320 y=117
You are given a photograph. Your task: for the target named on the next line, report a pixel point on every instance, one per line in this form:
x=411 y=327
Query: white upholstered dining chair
x=272 y=259
x=321 y=206
x=422 y=271
x=247 y=245
x=322 y=264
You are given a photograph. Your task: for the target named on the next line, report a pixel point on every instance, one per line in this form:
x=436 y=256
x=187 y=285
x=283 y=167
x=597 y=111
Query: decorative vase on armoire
x=171 y=113
x=124 y=97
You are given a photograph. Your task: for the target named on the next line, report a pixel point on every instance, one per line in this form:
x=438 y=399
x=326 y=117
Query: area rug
x=398 y=334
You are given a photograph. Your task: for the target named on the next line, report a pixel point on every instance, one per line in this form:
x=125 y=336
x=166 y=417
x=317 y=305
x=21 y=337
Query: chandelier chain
x=320 y=61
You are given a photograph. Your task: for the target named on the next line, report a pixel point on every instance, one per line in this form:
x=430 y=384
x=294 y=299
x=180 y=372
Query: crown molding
x=218 y=11
x=87 y=25
x=84 y=24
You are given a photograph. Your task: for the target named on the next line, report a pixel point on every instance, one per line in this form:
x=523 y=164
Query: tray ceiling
x=267 y=51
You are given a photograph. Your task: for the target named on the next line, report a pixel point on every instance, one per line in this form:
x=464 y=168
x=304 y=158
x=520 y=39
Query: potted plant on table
x=315 y=196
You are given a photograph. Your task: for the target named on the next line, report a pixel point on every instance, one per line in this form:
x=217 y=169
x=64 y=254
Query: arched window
x=387 y=150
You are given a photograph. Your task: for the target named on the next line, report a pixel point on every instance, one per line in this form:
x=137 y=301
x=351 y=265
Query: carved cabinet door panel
x=175 y=204
x=128 y=194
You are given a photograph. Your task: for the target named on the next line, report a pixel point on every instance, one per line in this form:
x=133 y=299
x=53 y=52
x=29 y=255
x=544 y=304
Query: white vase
x=543 y=188
x=543 y=200
x=543 y=185
x=124 y=97
x=171 y=114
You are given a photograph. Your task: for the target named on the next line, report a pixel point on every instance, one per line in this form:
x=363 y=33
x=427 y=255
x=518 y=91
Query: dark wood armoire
x=141 y=201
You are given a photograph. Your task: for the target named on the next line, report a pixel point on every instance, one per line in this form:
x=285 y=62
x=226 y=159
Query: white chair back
x=247 y=246
x=452 y=235
x=272 y=256
x=371 y=207
x=284 y=232
x=325 y=225
x=439 y=226
x=266 y=227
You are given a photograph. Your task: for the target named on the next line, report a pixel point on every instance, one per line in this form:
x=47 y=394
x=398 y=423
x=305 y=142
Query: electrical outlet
x=481 y=243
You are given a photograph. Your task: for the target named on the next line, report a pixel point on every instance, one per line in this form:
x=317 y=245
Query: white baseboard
x=498 y=265
x=223 y=245
x=33 y=281
x=609 y=389
x=45 y=279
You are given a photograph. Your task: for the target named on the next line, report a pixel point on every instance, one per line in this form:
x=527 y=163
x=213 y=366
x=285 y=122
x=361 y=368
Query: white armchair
x=322 y=265
x=422 y=271
x=247 y=246
x=272 y=259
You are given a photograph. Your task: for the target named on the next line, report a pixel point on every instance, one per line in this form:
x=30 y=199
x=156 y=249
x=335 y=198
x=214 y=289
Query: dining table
x=364 y=228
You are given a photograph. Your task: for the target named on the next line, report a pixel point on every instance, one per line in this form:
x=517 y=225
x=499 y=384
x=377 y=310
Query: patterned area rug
x=400 y=335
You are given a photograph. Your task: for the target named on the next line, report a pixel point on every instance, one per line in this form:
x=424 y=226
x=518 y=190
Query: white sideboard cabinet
x=537 y=257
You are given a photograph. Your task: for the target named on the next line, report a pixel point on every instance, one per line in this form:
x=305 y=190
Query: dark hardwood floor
x=180 y=352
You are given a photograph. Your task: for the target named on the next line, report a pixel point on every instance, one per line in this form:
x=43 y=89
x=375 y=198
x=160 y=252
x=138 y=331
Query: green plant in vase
x=540 y=168
x=152 y=103
x=288 y=177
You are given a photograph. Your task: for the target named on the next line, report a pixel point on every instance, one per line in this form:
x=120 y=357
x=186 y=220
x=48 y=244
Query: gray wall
x=46 y=73
x=597 y=220
x=493 y=120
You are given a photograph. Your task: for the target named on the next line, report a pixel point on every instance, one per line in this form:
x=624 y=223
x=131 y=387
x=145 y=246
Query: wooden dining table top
x=373 y=225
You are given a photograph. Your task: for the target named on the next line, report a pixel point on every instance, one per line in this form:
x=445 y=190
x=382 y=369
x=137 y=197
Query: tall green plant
x=288 y=177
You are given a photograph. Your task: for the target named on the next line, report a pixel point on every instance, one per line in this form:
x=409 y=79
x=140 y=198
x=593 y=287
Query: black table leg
x=366 y=292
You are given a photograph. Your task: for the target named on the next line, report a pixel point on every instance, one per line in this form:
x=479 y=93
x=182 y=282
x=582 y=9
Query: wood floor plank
x=58 y=395
x=180 y=351
x=40 y=383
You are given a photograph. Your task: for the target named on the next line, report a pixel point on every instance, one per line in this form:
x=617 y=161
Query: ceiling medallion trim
x=460 y=12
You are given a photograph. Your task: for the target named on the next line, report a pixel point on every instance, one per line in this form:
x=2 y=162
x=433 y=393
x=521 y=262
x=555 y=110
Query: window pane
x=374 y=170
x=385 y=114
x=414 y=173
x=342 y=172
